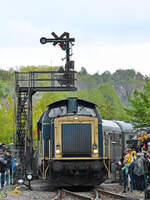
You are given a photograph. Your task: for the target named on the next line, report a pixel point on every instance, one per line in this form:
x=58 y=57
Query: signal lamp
x=62 y=46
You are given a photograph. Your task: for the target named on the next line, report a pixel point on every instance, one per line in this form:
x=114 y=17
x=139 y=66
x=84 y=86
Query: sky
x=109 y=34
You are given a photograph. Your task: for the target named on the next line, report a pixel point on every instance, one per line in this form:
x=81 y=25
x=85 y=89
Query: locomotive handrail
x=109 y=143
x=104 y=151
x=104 y=156
x=49 y=149
x=45 y=172
x=103 y=145
x=43 y=159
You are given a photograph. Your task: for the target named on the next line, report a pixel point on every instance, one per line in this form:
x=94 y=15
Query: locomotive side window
x=82 y=110
x=58 y=111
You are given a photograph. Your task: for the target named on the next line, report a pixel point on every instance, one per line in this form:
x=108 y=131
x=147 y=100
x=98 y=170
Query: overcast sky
x=109 y=34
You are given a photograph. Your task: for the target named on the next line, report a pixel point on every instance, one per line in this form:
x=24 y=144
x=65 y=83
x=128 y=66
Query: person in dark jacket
x=8 y=159
x=132 y=177
x=3 y=164
x=139 y=172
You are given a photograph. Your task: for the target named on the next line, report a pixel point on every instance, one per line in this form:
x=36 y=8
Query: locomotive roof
x=57 y=103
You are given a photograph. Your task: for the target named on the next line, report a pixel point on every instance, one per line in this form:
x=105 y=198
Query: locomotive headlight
x=57 y=149
x=95 y=149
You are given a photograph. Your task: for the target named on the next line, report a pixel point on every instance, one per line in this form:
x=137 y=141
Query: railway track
x=42 y=192
x=104 y=193
x=63 y=194
x=97 y=194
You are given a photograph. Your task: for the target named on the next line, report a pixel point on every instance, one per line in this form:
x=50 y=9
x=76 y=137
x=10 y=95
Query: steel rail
x=96 y=195
x=80 y=196
x=62 y=193
x=58 y=195
x=117 y=196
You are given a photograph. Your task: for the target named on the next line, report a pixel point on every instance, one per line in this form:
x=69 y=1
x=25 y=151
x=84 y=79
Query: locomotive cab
x=70 y=144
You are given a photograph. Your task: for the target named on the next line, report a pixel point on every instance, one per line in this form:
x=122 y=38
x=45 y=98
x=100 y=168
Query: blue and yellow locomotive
x=70 y=144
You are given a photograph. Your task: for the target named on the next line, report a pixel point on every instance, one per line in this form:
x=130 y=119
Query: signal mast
x=26 y=85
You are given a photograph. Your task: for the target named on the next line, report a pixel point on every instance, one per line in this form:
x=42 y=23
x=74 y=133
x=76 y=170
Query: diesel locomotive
x=70 y=144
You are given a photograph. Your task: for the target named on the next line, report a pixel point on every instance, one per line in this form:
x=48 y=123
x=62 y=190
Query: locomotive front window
x=58 y=111
x=82 y=110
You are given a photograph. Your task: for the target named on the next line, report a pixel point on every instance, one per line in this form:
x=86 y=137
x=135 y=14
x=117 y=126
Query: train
x=76 y=146
x=120 y=134
x=70 y=144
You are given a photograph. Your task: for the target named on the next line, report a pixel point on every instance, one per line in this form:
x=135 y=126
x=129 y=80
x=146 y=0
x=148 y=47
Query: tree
x=106 y=77
x=83 y=71
x=139 y=108
x=6 y=120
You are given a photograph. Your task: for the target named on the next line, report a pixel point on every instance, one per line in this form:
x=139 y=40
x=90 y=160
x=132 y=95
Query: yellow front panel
x=76 y=120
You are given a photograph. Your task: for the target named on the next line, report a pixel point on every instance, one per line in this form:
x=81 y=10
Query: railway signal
x=65 y=43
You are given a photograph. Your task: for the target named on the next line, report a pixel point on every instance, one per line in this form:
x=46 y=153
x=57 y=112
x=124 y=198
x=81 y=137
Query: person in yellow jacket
x=131 y=154
x=142 y=140
x=142 y=136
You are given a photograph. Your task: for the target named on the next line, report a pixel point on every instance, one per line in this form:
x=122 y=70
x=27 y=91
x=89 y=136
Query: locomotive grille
x=76 y=140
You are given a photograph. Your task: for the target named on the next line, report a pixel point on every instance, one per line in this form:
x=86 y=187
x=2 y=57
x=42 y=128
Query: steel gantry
x=27 y=84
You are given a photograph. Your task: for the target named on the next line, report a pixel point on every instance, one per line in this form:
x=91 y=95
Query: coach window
x=130 y=137
x=118 y=139
x=113 y=137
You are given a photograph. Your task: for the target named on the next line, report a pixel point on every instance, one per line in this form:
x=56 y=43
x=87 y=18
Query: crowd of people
x=8 y=164
x=135 y=164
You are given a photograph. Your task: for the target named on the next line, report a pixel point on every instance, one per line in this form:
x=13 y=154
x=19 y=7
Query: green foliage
x=106 y=77
x=37 y=68
x=125 y=75
x=6 y=80
x=95 y=88
x=6 y=120
x=112 y=107
x=83 y=71
x=104 y=96
x=139 y=109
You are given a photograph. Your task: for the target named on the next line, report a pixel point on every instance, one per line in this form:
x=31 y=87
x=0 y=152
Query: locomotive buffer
x=27 y=84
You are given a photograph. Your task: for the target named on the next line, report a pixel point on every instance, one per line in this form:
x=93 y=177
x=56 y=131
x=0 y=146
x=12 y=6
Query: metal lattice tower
x=27 y=84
